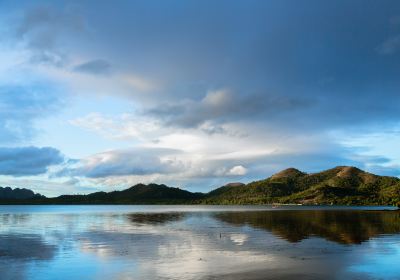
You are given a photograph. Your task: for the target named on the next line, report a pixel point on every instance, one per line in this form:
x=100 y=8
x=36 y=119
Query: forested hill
x=342 y=185
x=8 y=193
x=138 y=194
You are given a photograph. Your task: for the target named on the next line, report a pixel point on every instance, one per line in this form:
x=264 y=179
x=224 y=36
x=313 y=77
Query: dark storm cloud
x=96 y=67
x=25 y=161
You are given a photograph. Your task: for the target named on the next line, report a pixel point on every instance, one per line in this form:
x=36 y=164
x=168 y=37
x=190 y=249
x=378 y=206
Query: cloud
x=237 y=170
x=95 y=67
x=140 y=161
x=224 y=92
x=21 y=105
x=211 y=159
x=121 y=127
x=221 y=106
x=27 y=161
x=257 y=74
x=139 y=82
x=43 y=30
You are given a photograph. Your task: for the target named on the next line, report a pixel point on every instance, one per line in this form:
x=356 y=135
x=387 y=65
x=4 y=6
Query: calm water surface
x=198 y=242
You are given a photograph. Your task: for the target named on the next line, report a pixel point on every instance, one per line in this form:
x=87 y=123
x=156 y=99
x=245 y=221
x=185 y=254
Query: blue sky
x=100 y=95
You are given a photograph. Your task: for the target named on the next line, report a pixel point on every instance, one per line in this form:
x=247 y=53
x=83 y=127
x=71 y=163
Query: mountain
x=138 y=194
x=11 y=194
x=343 y=185
x=288 y=173
x=339 y=185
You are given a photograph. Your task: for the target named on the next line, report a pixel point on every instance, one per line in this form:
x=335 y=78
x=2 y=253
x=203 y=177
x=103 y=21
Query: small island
x=342 y=185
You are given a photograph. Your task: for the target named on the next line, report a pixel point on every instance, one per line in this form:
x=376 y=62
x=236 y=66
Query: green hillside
x=342 y=185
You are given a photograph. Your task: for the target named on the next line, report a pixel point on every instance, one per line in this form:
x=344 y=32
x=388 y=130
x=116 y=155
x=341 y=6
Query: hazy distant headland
x=342 y=185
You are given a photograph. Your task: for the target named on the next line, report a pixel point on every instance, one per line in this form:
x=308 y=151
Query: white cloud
x=138 y=82
x=139 y=161
x=218 y=98
x=121 y=127
x=237 y=170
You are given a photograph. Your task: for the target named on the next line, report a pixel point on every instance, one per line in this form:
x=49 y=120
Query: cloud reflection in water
x=196 y=245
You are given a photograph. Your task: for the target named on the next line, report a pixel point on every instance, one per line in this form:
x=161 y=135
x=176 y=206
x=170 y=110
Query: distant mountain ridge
x=138 y=194
x=345 y=185
x=9 y=193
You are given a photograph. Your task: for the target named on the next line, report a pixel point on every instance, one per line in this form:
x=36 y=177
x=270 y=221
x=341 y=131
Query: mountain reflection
x=155 y=218
x=344 y=227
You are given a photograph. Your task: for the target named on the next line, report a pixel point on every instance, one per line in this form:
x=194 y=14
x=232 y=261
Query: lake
x=199 y=242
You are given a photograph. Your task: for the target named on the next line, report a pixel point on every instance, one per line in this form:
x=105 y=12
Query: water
x=198 y=242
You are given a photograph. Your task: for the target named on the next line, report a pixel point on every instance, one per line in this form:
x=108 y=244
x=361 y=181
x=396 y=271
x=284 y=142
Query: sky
x=102 y=95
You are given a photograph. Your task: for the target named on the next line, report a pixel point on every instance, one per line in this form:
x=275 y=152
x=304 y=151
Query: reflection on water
x=197 y=242
x=155 y=218
x=345 y=227
x=25 y=247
